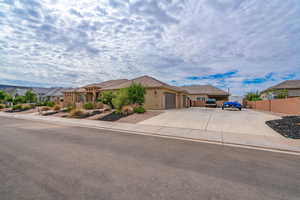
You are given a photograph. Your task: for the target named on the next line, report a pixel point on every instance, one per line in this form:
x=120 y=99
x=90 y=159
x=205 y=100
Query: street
x=47 y=161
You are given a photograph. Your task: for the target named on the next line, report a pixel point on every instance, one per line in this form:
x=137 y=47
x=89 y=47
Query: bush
x=26 y=107
x=50 y=104
x=99 y=105
x=253 y=96
x=127 y=110
x=139 y=109
x=30 y=96
x=89 y=106
x=107 y=98
x=56 y=108
x=31 y=106
x=40 y=104
x=70 y=107
x=45 y=108
x=136 y=94
x=2 y=95
x=281 y=94
x=76 y=113
x=17 y=107
x=5 y=97
x=2 y=106
x=19 y=100
x=120 y=100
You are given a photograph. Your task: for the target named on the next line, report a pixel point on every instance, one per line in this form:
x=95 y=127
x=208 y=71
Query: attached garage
x=170 y=100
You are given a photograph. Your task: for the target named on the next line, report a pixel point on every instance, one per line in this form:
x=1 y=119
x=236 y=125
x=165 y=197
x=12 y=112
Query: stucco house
x=54 y=94
x=159 y=95
x=14 y=92
x=198 y=94
x=292 y=87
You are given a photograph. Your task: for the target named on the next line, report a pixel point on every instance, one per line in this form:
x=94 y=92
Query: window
x=200 y=98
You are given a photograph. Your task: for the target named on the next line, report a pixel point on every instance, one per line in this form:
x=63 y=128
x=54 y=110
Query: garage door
x=170 y=100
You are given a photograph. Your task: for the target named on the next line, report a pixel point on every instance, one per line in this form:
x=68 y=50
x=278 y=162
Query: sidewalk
x=270 y=143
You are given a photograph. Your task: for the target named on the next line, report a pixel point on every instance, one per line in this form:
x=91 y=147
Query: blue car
x=230 y=104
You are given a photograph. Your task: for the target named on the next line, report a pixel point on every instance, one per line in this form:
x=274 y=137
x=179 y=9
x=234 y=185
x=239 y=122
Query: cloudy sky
x=243 y=45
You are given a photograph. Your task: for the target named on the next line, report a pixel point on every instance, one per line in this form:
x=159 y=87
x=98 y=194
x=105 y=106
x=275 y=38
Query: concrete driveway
x=215 y=119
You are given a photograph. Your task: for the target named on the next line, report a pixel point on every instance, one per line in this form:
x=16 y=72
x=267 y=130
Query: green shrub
x=43 y=103
x=107 y=97
x=5 y=97
x=120 y=100
x=17 y=107
x=8 y=98
x=136 y=93
x=30 y=96
x=253 y=96
x=40 y=104
x=70 y=107
x=50 y=104
x=282 y=94
x=139 y=109
x=2 y=106
x=2 y=95
x=26 y=107
x=19 y=100
x=89 y=106
x=32 y=106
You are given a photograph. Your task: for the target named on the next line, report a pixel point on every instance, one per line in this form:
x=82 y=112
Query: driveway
x=214 y=119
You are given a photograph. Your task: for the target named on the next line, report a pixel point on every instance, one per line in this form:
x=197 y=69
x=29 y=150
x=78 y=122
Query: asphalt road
x=44 y=161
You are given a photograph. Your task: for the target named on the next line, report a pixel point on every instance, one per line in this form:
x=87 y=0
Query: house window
x=200 y=98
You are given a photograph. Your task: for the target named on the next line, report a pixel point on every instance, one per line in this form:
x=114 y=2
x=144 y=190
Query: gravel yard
x=288 y=126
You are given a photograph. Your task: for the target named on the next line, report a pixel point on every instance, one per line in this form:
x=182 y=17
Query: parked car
x=231 y=104
x=211 y=103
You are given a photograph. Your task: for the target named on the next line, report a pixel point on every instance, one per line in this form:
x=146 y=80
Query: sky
x=244 y=45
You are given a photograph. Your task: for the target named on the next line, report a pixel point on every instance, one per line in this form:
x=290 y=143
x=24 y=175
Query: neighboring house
x=55 y=94
x=159 y=95
x=292 y=87
x=198 y=94
x=43 y=94
x=14 y=92
x=40 y=93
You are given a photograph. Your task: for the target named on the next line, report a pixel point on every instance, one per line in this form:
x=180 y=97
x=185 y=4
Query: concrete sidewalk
x=218 y=137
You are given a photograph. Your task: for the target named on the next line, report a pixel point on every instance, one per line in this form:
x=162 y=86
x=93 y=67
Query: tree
x=8 y=98
x=19 y=99
x=30 y=97
x=136 y=94
x=253 y=96
x=2 y=96
x=107 y=97
x=121 y=99
x=281 y=94
x=5 y=97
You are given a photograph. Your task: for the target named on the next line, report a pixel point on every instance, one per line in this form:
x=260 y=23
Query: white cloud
x=74 y=42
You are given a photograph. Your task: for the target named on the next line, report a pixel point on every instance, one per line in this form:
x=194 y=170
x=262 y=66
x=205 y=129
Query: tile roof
x=107 y=83
x=204 y=89
x=289 y=84
x=146 y=81
x=74 y=90
x=56 y=92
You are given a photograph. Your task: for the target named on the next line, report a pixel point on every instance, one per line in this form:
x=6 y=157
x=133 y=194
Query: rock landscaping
x=81 y=114
x=113 y=117
x=288 y=126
